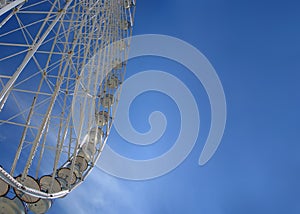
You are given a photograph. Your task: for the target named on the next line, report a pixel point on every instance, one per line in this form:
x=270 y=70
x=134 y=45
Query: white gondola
x=2 y=3
x=63 y=183
x=117 y=64
x=125 y=25
x=4 y=187
x=107 y=100
x=102 y=118
x=49 y=184
x=122 y=45
x=89 y=146
x=40 y=207
x=80 y=166
x=11 y=206
x=81 y=163
x=113 y=82
x=29 y=182
x=127 y=4
x=66 y=177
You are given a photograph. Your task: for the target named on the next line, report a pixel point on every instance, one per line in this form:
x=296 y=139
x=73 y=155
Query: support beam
x=31 y=52
x=10 y=6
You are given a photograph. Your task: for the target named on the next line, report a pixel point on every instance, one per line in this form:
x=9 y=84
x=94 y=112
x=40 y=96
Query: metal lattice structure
x=61 y=66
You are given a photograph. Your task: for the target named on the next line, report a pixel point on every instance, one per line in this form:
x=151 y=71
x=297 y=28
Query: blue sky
x=254 y=47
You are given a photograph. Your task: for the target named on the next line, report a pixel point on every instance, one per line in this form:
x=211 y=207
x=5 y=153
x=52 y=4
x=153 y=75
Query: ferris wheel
x=62 y=63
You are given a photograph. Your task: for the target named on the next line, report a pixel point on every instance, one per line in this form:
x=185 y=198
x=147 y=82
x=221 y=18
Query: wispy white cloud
x=100 y=193
x=2 y=138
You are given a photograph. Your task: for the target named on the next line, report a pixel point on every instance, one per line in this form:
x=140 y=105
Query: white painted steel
x=61 y=63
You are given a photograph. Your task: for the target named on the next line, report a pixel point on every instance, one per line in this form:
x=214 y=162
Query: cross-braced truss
x=61 y=65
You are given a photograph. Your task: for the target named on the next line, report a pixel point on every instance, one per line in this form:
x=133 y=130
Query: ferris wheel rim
x=105 y=106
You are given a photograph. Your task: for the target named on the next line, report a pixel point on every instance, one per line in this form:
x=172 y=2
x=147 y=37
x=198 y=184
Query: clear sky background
x=254 y=47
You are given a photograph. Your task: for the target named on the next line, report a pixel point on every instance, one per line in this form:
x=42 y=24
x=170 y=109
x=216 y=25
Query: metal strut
x=32 y=51
x=9 y=5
